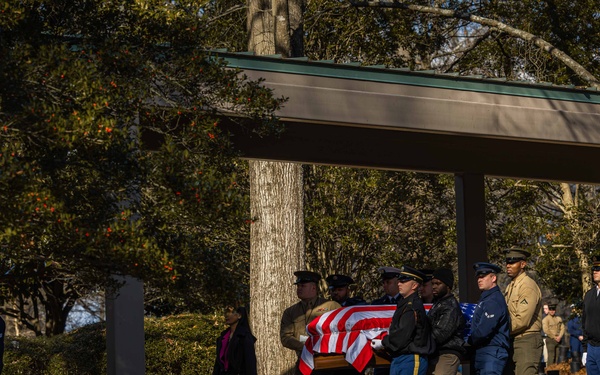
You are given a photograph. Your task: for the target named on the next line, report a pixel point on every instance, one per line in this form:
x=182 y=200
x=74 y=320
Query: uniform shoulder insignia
x=524 y=302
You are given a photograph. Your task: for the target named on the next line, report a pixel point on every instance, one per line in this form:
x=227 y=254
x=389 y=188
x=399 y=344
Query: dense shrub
x=180 y=344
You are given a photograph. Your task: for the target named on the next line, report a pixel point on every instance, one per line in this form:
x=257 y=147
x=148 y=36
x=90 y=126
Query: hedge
x=180 y=344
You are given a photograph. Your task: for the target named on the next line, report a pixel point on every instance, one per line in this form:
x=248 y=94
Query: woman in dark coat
x=235 y=346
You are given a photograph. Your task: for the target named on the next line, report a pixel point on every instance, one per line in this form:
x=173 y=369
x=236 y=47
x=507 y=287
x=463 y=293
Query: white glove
x=584 y=358
x=303 y=338
x=376 y=344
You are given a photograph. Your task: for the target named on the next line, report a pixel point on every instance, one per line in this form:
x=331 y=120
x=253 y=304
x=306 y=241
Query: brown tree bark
x=276 y=205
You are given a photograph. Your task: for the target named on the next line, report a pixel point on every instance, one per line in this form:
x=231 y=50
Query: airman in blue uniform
x=490 y=326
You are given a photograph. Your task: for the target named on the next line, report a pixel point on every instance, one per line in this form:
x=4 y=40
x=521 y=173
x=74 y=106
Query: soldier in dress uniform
x=409 y=340
x=554 y=329
x=389 y=278
x=426 y=290
x=296 y=317
x=339 y=289
x=524 y=300
x=490 y=325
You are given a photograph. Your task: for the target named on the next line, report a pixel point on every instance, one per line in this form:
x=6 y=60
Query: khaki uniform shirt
x=553 y=326
x=296 y=317
x=524 y=300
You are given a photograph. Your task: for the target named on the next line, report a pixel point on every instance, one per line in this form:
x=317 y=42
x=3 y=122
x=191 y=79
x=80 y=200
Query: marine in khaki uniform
x=555 y=330
x=524 y=300
x=296 y=317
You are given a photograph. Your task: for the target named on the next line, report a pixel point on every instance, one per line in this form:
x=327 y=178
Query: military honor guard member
x=447 y=325
x=575 y=332
x=409 y=340
x=296 y=317
x=339 y=289
x=590 y=321
x=389 y=279
x=524 y=300
x=554 y=329
x=426 y=291
x=490 y=325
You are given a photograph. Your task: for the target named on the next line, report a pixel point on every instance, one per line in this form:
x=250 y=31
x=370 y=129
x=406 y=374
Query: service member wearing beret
x=590 y=321
x=554 y=328
x=524 y=300
x=409 y=340
x=296 y=317
x=490 y=325
x=339 y=289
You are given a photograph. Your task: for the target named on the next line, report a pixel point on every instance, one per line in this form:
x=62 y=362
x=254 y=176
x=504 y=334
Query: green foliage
x=84 y=85
x=182 y=344
x=358 y=220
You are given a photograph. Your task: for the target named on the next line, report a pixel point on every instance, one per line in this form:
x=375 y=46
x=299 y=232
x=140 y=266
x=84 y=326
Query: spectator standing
x=524 y=300
x=235 y=346
x=490 y=326
x=447 y=325
x=590 y=321
x=555 y=330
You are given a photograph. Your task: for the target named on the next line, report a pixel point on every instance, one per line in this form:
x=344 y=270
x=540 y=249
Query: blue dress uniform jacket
x=490 y=330
x=410 y=332
x=490 y=325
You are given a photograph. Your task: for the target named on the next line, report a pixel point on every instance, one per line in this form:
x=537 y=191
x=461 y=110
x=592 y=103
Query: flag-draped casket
x=349 y=330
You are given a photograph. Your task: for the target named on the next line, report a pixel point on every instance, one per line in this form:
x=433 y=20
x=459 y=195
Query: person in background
x=544 y=336
x=555 y=330
x=490 y=326
x=426 y=291
x=235 y=346
x=524 y=300
x=575 y=333
x=409 y=340
x=295 y=318
x=339 y=289
x=590 y=321
x=447 y=325
x=389 y=279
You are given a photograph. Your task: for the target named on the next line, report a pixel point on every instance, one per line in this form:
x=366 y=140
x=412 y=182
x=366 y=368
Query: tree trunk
x=276 y=251
x=276 y=204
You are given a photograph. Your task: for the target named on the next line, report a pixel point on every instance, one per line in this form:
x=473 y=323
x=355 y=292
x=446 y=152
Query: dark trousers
x=490 y=360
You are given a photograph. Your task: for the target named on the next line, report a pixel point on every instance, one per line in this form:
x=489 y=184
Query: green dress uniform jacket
x=553 y=326
x=524 y=300
x=296 y=317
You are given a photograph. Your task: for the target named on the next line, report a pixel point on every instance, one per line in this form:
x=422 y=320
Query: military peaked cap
x=514 y=255
x=409 y=273
x=306 y=277
x=389 y=272
x=337 y=280
x=483 y=268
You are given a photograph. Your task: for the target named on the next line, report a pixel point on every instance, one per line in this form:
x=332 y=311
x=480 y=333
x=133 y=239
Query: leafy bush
x=178 y=344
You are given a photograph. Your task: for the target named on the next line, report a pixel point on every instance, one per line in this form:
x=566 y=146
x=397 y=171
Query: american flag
x=348 y=330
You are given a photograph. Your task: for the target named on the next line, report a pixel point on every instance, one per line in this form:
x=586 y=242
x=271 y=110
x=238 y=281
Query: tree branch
x=581 y=72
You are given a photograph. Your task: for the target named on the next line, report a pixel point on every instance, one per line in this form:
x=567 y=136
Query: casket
x=341 y=338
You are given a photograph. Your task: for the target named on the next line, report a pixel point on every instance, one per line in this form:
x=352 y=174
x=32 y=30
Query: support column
x=471 y=232
x=125 y=328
